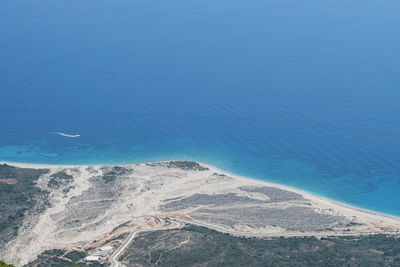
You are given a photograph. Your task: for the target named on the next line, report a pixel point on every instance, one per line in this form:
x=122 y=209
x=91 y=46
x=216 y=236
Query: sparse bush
x=3 y=264
x=186 y=165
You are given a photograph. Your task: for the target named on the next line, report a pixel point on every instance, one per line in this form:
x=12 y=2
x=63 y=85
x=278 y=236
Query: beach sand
x=101 y=198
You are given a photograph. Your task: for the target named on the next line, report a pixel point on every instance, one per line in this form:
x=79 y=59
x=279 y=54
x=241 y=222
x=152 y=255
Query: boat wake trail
x=67 y=135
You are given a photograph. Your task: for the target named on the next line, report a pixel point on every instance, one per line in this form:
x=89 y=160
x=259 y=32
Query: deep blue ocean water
x=304 y=93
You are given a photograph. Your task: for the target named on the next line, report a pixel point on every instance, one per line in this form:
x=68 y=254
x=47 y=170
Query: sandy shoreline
x=307 y=194
x=348 y=210
x=322 y=200
x=100 y=198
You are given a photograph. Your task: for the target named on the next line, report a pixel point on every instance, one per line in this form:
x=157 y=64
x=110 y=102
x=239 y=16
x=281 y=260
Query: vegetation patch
x=200 y=246
x=75 y=256
x=111 y=175
x=67 y=189
x=3 y=264
x=16 y=199
x=186 y=165
x=58 y=258
x=59 y=179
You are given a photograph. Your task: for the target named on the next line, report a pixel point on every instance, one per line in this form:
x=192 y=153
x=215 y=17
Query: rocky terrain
x=84 y=205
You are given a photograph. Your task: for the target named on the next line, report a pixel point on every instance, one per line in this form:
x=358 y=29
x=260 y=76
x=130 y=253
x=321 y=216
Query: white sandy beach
x=375 y=219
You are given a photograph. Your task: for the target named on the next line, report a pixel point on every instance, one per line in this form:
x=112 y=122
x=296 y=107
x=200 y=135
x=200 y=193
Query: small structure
x=92 y=258
x=106 y=248
x=99 y=254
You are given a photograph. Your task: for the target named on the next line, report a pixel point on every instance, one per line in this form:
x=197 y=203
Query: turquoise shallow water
x=299 y=92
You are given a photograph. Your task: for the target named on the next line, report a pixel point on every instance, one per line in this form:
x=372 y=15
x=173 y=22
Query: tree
x=3 y=264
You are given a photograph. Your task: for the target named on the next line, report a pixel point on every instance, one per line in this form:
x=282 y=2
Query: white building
x=92 y=258
x=106 y=248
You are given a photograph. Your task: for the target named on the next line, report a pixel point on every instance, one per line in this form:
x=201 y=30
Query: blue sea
x=304 y=93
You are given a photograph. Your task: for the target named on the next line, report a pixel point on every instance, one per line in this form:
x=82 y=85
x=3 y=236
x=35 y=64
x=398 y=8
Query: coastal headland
x=84 y=209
